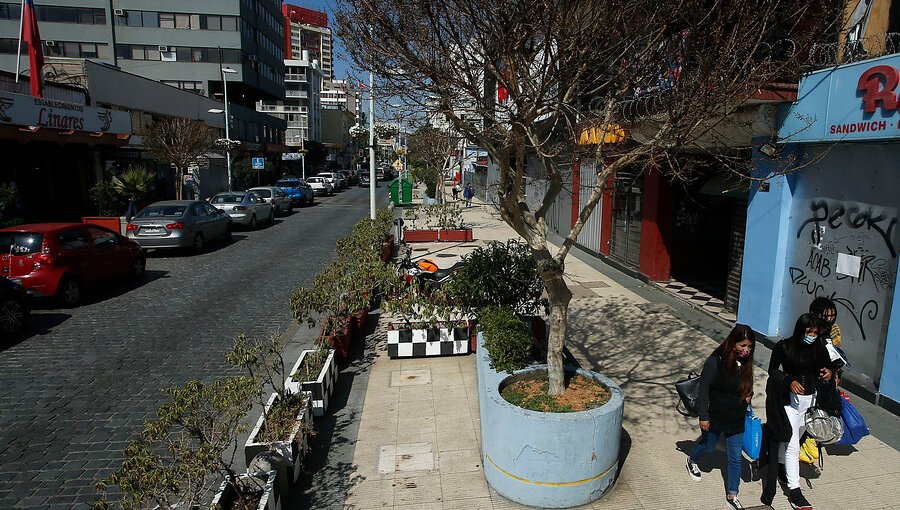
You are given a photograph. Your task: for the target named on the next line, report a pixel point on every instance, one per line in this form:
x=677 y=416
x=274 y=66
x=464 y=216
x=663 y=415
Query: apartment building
x=183 y=43
x=301 y=107
x=308 y=30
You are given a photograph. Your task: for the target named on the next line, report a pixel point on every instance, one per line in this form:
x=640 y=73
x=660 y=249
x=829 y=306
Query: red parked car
x=62 y=259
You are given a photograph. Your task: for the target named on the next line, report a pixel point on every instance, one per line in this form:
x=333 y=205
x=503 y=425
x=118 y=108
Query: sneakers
x=693 y=470
x=798 y=502
x=734 y=503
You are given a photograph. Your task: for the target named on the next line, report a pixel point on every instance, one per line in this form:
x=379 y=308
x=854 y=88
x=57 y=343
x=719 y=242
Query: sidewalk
x=417 y=443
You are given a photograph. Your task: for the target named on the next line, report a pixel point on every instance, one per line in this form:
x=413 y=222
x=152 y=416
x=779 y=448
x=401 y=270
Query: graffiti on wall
x=830 y=228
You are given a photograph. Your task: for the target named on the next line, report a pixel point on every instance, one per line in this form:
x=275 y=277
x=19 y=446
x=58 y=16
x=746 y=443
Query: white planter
x=321 y=388
x=225 y=498
x=293 y=448
x=414 y=341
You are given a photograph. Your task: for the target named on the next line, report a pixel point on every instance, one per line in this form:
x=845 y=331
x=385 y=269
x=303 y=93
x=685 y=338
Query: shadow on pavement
x=38 y=324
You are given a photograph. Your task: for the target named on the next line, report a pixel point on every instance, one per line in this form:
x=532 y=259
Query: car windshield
x=156 y=211
x=288 y=183
x=263 y=192
x=228 y=199
x=24 y=243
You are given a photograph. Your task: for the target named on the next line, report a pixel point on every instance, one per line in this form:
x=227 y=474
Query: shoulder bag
x=689 y=393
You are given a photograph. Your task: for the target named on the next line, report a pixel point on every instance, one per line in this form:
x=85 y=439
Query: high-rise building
x=308 y=30
x=181 y=43
x=301 y=108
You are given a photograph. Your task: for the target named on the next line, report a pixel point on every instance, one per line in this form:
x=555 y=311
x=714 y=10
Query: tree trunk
x=560 y=296
x=179 y=184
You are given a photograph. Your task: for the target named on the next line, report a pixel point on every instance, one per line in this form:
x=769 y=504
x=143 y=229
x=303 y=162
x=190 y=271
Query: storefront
x=824 y=223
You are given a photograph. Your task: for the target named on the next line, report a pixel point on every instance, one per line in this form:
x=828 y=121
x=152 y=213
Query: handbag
x=688 y=393
x=809 y=451
x=823 y=427
x=855 y=427
x=752 y=435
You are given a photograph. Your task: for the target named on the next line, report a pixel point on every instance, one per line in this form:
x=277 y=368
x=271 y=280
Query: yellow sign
x=397 y=165
x=612 y=133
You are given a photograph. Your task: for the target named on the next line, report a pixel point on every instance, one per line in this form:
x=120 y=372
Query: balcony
x=296 y=93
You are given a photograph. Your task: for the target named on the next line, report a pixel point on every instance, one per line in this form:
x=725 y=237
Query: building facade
x=183 y=43
x=308 y=30
x=824 y=223
x=301 y=108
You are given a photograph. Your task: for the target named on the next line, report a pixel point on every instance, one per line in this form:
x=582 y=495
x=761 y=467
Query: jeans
x=734 y=443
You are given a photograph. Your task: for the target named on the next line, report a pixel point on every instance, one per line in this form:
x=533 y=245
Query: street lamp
x=226 y=70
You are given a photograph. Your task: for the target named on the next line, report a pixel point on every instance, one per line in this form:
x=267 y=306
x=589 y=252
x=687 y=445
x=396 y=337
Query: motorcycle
x=426 y=271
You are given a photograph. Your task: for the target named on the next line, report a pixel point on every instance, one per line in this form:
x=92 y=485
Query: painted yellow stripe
x=548 y=484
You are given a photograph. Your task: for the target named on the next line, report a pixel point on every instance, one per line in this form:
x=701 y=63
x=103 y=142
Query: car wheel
x=199 y=243
x=253 y=223
x=272 y=217
x=227 y=235
x=138 y=267
x=69 y=292
x=13 y=314
x=290 y=210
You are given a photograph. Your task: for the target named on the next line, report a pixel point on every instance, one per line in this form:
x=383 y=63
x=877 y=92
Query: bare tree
x=181 y=142
x=428 y=150
x=658 y=83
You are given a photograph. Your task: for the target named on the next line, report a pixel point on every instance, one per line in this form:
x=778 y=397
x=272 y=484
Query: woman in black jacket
x=799 y=366
x=726 y=385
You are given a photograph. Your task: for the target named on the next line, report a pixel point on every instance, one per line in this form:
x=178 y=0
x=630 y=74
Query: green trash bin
x=401 y=191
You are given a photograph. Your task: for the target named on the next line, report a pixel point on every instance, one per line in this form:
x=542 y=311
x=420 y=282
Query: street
x=76 y=386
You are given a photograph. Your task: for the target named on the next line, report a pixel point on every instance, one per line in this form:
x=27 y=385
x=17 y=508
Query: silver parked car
x=178 y=224
x=280 y=200
x=245 y=208
x=320 y=186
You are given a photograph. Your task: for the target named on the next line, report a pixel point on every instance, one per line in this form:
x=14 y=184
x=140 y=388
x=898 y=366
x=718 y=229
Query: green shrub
x=107 y=201
x=507 y=339
x=500 y=274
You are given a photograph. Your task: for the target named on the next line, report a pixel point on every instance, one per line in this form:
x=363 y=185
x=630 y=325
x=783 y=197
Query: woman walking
x=799 y=366
x=726 y=386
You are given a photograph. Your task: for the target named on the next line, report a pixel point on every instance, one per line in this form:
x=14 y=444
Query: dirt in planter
x=280 y=420
x=248 y=500
x=311 y=367
x=581 y=394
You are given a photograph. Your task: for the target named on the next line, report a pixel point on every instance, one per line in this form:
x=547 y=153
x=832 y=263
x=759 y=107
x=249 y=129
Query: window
x=166 y=20
x=183 y=21
x=210 y=210
x=72 y=240
x=103 y=238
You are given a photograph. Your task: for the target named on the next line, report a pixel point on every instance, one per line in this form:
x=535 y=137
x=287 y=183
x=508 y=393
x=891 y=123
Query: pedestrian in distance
x=468 y=193
x=826 y=311
x=726 y=387
x=800 y=370
x=455 y=191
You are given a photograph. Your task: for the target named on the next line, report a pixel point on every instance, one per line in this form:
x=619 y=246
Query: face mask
x=809 y=339
x=742 y=354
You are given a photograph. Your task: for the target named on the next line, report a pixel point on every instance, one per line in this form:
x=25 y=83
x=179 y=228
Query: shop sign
x=847 y=103
x=22 y=110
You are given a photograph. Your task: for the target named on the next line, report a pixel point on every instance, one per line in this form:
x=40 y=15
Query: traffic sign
x=259 y=163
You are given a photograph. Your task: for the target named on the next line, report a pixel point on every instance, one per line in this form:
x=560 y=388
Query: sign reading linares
x=22 y=110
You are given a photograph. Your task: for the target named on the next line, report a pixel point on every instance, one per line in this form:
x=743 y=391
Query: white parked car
x=333 y=179
x=245 y=208
x=320 y=186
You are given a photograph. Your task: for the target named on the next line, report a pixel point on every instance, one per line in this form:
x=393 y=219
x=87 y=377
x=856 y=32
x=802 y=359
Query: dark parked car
x=62 y=259
x=179 y=224
x=14 y=306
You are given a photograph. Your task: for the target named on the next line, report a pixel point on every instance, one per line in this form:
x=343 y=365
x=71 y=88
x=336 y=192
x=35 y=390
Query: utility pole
x=372 y=145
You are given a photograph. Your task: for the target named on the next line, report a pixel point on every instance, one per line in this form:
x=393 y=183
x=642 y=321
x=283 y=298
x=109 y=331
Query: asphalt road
x=75 y=387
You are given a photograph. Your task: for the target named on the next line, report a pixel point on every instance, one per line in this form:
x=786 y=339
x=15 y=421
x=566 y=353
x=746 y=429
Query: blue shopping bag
x=752 y=434
x=854 y=425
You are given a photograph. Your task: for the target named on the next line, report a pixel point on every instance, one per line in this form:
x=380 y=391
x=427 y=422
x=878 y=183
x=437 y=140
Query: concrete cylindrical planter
x=547 y=460
x=321 y=388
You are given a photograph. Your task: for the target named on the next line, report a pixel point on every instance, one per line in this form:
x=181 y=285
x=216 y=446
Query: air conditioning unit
x=120 y=12
x=163 y=48
x=50 y=43
x=252 y=58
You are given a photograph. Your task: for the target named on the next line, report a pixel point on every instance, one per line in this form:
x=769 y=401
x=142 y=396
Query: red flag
x=32 y=37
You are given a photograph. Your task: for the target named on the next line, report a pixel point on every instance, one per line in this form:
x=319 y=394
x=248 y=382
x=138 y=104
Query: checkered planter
x=321 y=388
x=415 y=343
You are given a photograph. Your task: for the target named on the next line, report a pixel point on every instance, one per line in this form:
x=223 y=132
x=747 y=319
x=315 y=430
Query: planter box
x=547 y=460
x=113 y=223
x=406 y=342
x=292 y=448
x=321 y=388
x=271 y=500
x=359 y=321
x=340 y=341
x=461 y=235
x=420 y=236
